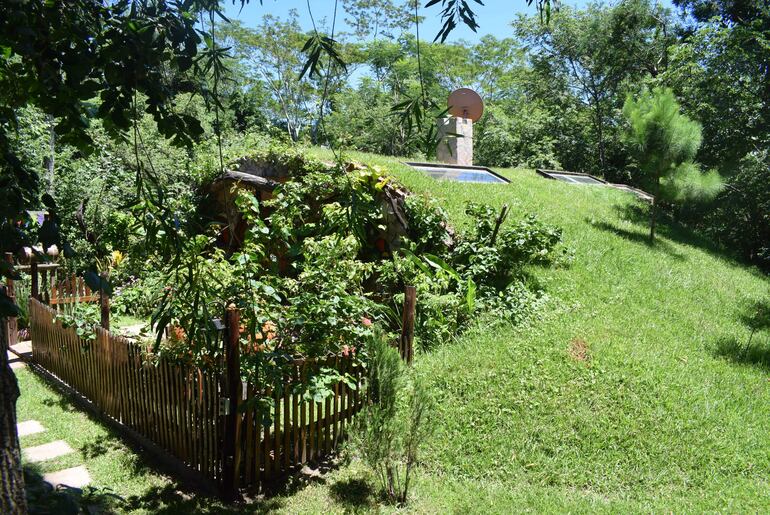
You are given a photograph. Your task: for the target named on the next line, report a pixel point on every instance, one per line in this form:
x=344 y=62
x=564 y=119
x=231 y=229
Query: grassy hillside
x=633 y=392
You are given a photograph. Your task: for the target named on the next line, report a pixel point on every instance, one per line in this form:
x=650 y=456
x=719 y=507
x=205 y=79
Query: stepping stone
x=47 y=451
x=76 y=477
x=131 y=331
x=22 y=348
x=16 y=364
x=29 y=427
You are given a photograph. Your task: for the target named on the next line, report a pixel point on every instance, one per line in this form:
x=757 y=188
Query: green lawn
x=631 y=392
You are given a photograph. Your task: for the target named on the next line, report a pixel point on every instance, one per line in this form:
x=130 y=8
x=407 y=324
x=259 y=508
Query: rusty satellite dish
x=465 y=103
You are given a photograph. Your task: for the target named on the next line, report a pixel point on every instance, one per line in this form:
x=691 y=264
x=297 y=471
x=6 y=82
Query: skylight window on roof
x=459 y=173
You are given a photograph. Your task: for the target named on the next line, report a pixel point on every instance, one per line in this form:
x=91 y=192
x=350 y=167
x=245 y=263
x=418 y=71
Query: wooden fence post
x=35 y=289
x=104 y=301
x=406 y=344
x=11 y=327
x=231 y=446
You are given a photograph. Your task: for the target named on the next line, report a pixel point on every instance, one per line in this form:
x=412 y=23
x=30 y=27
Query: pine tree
x=666 y=141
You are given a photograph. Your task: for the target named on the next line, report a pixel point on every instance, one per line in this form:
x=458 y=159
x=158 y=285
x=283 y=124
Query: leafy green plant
x=80 y=316
x=428 y=225
x=21 y=291
x=137 y=296
x=494 y=253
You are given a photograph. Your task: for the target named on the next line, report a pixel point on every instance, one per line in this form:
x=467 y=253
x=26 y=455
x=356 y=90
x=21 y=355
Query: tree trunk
x=600 y=135
x=653 y=218
x=50 y=160
x=12 y=496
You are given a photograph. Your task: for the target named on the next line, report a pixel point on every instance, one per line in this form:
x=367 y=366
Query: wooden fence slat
x=302 y=419
x=199 y=442
x=175 y=403
x=200 y=435
x=192 y=390
x=131 y=395
x=118 y=377
x=169 y=393
x=268 y=443
x=335 y=408
x=148 y=368
x=248 y=421
x=286 y=426
x=317 y=408
x=295 y=422
x=204 y=412
x=162 y=403
x=214 y=425
x=276 y=456
x=141 y=390
x=258 y=432
x=212 y=422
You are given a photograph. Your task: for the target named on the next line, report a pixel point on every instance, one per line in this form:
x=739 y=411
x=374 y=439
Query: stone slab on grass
x=47 y=451
x=29 y=427
x=75 y=477
x=22 y=348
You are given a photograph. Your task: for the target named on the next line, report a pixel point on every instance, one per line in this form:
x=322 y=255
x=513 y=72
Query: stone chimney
x=456 y=150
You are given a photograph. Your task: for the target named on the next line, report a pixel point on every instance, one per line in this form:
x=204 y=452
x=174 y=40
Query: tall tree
x=722 y=74
x=666 y=142
x=272 y=55
x=74 y=61
x=601 y=50
x=375 y=19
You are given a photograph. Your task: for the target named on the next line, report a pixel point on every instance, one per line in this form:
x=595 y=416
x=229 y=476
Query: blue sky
x=494 y=16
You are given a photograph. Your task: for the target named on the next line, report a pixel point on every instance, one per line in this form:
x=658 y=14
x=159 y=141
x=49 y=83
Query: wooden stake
x=35 y=284
x=232 y=388
x=500 y=219
x=11 y=327
x=104 y=300
x=406 y=344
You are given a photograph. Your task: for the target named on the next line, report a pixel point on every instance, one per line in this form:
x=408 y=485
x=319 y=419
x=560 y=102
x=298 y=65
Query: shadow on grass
x=61 y=402
x=755 y=353
x=756 y=316
x=42 y=497
x=169 y=500
x=354 y=494
x=674 y=231
x=640 y=238
x=100 y=446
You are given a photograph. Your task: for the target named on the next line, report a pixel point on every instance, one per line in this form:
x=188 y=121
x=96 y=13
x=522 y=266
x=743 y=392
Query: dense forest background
x=554 y=94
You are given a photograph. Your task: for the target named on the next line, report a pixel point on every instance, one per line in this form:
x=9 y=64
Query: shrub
x=492 y=254
x=390 y=429
x=137 y=297
x=22 y=291
x=427 y=223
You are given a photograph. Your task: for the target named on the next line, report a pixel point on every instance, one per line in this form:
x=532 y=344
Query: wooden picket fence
x=55 y=286
x=174 y=406
x=301 y=430
x=208 y=420
x=68 y=290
